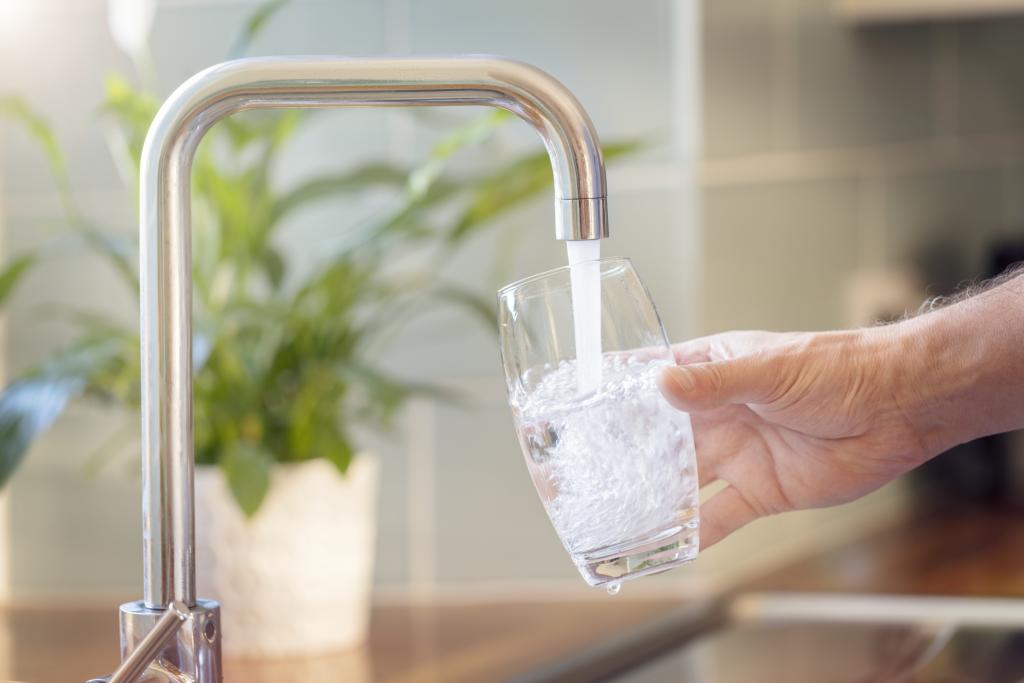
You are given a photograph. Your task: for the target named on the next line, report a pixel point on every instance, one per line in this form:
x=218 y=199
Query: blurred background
x=778 y=164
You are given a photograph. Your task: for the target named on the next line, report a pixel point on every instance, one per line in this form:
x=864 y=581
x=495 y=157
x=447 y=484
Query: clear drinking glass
x=612 y=461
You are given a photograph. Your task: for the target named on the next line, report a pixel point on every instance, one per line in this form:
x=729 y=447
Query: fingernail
x=683 y=378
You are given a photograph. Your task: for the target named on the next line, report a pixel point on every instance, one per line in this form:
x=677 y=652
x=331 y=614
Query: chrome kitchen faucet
x=170 y=635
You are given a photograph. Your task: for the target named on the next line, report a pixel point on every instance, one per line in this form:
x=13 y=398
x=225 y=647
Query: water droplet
x=614 y=587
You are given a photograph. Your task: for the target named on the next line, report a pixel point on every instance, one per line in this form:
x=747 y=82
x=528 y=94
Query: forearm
x=964 y=367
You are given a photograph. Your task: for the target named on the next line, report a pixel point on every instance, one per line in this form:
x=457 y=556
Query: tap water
x=614 y=468
x=585 y=280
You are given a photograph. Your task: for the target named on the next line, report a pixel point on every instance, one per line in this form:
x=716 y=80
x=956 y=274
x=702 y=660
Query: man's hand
x=793 y=421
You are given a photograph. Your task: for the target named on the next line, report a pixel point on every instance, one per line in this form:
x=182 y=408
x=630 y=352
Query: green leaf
x=503 y=190
x=31 y=404
x=39 y=128
x=513 y=184
x=475 y=132
x=13 y=273
x=118 y=251
x=341 y=184
x=115 y=443
x=238 y=131
x=268 y=127
x=385 y=395
x=18 y=110
x=133 y=110
x=336 y=448
x=621 y=148
x=284 y=126
x=93 y=324
x=274 y=266
x=481 y=307
x=28 y=407
x=121 y=98
x=247 y=470
x=253 y=26
x=108 y=246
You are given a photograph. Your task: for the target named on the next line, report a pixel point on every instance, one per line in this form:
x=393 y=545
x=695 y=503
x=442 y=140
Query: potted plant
x=285 y=360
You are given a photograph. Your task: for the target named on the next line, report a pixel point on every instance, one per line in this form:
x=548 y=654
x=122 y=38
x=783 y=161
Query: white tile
x=990 y=89
x=68 y=278
x=62 y=60
x=739 y=88
x=490 y=524
x=616 y=57
x=944 y=223
x=860 y=86
x=73 y=533
x=392 y=552
x=775 y=255
x=189 y=37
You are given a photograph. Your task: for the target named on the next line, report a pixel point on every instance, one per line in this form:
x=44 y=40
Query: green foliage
x=285 y=360
x=132 y=110
x=254 y=25
x=17 y=110
x=108 y=246
x=31 y=403
x=13 y=273
x=247 y=469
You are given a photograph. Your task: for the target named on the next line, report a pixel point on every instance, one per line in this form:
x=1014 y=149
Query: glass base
x=656 y=553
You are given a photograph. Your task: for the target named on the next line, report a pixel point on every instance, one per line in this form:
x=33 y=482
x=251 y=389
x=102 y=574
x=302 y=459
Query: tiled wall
x=826 y=150
x=832 y=149
x=834 y=154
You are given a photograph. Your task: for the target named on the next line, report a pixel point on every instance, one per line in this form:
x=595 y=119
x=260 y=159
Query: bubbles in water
x=614 y=587
x=611 y=467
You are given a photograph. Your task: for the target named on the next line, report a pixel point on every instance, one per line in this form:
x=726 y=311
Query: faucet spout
x=165 y=232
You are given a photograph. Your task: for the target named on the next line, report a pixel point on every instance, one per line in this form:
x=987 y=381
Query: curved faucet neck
x=165 y=231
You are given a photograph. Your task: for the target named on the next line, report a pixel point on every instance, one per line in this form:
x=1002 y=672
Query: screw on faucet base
x=174 y=645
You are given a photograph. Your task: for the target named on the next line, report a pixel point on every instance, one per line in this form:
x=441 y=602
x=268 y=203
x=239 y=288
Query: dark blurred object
x=990 y=469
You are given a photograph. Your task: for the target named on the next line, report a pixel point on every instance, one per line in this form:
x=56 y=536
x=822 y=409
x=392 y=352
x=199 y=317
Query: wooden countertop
x=970 y=552
x=407 y=644
x=977 y=553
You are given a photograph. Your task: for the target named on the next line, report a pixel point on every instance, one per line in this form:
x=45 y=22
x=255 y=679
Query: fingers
x=722 y=514
x=706 y=471
x=724 y=345
x=685 y=353
x=718 y=436
x=704 y=386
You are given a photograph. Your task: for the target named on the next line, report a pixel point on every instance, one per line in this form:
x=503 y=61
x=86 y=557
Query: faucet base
x=192 y=657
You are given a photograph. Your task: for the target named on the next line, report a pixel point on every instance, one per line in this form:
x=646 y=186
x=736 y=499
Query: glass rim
x=543 y=275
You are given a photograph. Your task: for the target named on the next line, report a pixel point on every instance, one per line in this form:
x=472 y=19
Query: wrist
x=931 y=371
x=963 y=374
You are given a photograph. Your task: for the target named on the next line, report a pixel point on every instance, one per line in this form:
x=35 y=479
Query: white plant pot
x=296 y=578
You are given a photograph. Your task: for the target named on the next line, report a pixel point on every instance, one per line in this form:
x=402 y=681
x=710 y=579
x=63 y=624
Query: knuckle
x=715 y=381
x=784 y=368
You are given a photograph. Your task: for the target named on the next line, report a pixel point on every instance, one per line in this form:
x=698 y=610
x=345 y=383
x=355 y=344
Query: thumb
x=704 y=386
